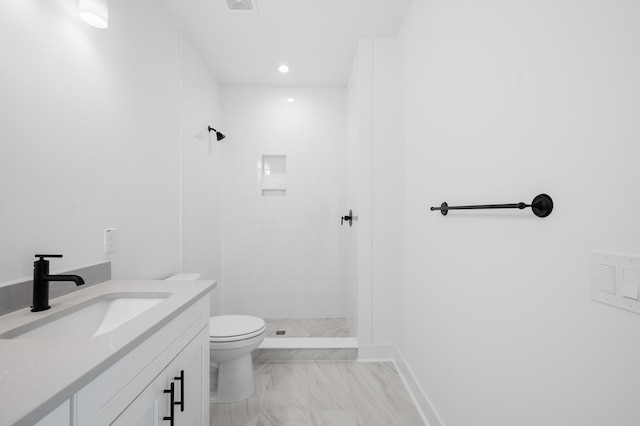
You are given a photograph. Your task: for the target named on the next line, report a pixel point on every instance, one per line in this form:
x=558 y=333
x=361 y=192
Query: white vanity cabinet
x=180 y=384
x=150 y=408
x=192 y=389
x=136 y=390
x=116 y=377
x=59 y=416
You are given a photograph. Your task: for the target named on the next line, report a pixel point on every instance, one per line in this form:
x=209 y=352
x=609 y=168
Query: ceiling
x=317 y=39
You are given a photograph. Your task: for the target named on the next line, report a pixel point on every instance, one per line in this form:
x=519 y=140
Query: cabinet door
x=150 y=407
x=189 y=374
x=58 y=417
x=193 y=366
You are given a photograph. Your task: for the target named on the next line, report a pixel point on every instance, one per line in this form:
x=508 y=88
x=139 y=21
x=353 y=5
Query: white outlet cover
x=110 y=240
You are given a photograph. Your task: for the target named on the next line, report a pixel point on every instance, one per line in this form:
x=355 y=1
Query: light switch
x=607 y=281
x=614 y=280
x=630 y=283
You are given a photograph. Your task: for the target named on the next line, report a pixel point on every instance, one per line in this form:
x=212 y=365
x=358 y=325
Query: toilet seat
x=229 y=328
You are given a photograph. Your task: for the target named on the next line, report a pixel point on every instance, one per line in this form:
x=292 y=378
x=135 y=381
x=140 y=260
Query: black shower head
x=219 y=135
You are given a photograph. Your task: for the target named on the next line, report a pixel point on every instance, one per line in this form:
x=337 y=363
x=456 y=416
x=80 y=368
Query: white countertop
x=38 y=375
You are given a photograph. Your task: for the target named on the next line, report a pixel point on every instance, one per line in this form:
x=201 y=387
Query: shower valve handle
x=348 y=218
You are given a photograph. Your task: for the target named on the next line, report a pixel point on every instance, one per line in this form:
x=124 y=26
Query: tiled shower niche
x=273 y=175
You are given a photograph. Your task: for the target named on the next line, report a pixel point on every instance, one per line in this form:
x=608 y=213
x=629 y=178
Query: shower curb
x=306 y=349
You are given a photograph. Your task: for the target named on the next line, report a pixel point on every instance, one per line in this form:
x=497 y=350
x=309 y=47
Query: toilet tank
x=185 y=276
x=216 y=302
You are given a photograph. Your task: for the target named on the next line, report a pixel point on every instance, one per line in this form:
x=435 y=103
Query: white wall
x=284 y=256
x=376 y=192
x=505 y=100
x=354 y=108
x=359 y=184
x=201 y=107
x=89 y=138
x=388 y=194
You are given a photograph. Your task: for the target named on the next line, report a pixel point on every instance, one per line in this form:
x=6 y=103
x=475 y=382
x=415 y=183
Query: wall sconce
x=219 y=135
x=94 y=12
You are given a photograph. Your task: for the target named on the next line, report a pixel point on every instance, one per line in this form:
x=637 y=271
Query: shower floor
x=307 y=327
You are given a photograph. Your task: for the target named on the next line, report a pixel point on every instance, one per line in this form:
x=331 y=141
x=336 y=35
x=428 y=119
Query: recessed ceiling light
x=242 y=5
x=94 y=12
x=290 y=100
x=283 y=68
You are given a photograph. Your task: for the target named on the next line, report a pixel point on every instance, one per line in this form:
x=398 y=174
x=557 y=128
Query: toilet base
x=235 y=380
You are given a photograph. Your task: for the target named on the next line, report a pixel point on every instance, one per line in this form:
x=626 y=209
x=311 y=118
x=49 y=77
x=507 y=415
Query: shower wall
x=200 y=174
x=284 y=252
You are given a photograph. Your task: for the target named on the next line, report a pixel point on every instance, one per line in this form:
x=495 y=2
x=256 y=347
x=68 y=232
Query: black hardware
x=41 y=280
x=181 y=402
x=347 y=218
x=171 y=390
x=542 y=206
x=42 y=256
x=219 y=135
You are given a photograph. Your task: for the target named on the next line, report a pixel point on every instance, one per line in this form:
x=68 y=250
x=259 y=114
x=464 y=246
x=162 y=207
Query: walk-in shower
x=284 y=251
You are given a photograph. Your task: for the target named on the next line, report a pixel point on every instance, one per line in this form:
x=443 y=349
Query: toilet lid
x=225 y=328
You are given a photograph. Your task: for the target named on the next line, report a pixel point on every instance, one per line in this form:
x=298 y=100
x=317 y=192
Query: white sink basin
x=90 y=318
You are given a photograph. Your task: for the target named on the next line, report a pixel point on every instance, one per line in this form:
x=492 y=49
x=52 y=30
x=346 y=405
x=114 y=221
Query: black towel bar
x=541 y=206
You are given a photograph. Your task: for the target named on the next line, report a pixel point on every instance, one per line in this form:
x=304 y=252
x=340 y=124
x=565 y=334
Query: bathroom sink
x=90 y=318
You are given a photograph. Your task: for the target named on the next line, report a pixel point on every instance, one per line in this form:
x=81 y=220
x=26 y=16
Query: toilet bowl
x=232 y=339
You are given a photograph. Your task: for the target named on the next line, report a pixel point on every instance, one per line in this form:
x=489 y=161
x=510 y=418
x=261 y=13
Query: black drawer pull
x=172 y=404
x=181 y=402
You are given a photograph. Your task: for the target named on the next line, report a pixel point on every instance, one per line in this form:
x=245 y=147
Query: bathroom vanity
x=151 y=369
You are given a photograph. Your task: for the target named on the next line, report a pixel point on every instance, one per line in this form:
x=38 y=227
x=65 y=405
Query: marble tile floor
x=307 y=327
x=322 y=394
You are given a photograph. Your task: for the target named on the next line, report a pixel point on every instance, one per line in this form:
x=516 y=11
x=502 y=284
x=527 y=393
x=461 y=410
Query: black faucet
x=41 y=279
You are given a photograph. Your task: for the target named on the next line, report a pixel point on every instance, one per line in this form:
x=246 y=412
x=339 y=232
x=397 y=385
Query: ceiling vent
x=242 y=6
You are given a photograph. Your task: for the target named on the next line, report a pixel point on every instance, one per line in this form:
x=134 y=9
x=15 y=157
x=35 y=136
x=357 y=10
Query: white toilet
x=232 y=338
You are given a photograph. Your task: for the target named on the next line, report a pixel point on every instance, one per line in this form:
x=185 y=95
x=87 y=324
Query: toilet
x=232 y=339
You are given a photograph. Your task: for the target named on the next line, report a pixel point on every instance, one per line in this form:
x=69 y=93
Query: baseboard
x=420 y=398
x=377 y=353
x=390 y=353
